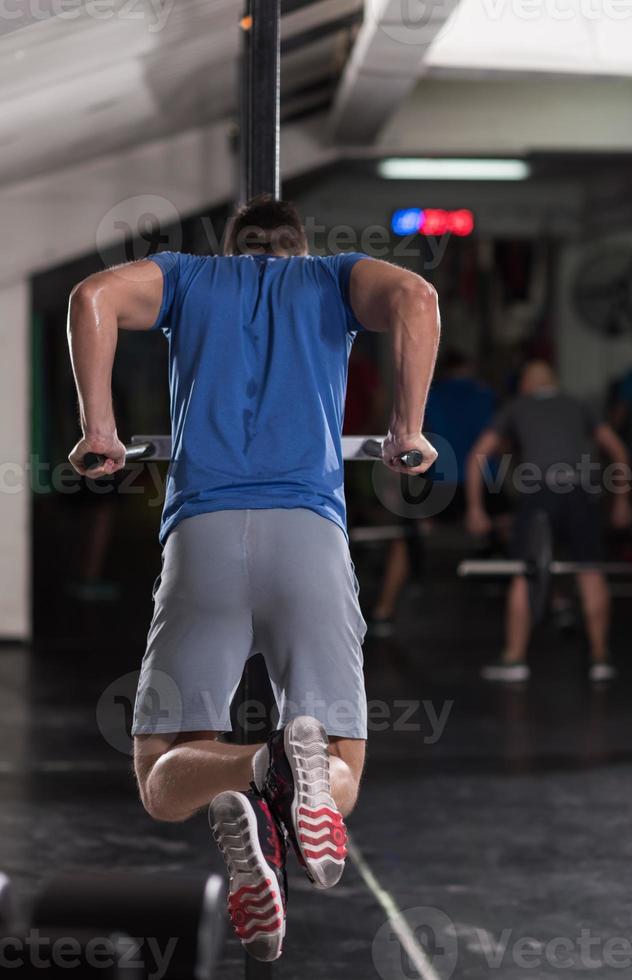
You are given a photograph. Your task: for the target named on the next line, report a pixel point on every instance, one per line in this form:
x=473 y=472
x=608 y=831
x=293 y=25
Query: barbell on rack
x=540 y=567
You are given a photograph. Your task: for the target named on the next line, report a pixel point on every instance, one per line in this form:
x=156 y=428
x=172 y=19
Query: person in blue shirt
x=621 y=408
x=459 y=408
x=255 y=551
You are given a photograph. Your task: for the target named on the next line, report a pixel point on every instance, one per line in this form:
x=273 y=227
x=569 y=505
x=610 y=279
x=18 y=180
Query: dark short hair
x=264 y=224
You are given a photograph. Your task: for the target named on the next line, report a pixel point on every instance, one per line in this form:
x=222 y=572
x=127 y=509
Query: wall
x=589 y=361
x=14 y=449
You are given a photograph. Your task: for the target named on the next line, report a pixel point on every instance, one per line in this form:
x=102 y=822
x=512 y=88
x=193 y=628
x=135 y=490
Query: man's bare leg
x=346 y=762
x=179 y=774
x=595 y=596
x=396 y=575
x=518 y=621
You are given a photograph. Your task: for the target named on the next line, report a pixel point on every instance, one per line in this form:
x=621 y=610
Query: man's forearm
x=415 y=331
x=474 y=480
x=92 y=338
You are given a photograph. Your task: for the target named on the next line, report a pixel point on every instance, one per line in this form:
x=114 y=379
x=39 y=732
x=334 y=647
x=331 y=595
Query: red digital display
x=436 y=221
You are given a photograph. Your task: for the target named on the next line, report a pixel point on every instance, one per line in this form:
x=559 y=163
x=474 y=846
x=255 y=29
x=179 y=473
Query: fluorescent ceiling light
x=577 y=36
x=421 y=168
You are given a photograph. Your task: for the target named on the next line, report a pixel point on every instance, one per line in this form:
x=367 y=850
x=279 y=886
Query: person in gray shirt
x=553 y=437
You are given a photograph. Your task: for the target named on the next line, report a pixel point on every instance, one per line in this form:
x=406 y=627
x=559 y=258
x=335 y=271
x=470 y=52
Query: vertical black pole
x=261 y=99
x=260 y=174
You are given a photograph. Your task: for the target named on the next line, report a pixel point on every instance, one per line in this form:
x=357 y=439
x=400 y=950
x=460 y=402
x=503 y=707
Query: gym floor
x=495 y=818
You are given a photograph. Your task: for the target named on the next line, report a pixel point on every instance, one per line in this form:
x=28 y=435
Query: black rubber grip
x=412 y=458
x=92 y=460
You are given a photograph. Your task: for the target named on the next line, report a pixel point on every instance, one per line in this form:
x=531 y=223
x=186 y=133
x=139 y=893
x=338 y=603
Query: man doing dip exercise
x=256 y=556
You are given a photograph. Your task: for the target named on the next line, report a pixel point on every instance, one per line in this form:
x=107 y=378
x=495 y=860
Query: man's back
x=259 y=347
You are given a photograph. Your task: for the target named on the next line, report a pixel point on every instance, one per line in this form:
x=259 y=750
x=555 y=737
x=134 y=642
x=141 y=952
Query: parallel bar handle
x=138 y=451
x=411 y=458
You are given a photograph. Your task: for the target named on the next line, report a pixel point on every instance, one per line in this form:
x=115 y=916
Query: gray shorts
x=239 y=582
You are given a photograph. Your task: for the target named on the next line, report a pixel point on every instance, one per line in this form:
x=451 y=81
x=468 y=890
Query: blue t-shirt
x=625 y=388
x=258 y=353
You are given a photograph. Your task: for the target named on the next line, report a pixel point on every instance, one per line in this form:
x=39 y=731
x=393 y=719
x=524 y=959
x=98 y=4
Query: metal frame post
x=260 y=173
x=261 y=99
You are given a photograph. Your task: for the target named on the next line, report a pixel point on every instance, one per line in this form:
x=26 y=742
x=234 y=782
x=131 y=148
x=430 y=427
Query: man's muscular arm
x=389 y=299
x=614 y=447
x=127 y=298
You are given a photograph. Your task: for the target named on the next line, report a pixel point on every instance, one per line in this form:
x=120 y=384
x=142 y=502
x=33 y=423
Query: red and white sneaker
x=294 y=778
x=254 y=852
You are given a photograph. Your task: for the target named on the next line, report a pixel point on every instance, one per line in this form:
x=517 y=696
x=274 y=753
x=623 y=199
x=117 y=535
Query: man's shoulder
x=171 y=260
x=337 y=260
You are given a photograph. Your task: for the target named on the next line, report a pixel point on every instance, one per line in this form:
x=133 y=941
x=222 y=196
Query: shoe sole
x=319 y=834
x=255 y=904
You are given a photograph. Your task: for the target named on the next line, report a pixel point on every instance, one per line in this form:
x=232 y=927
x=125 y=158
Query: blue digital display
x=406 y=221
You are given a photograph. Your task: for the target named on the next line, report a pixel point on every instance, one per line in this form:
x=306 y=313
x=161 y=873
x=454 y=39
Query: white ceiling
x=583 y=37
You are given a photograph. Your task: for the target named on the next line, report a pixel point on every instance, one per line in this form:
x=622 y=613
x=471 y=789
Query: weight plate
x=539 y=558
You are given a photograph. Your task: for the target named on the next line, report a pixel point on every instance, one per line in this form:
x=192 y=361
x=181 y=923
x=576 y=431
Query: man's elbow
x=415 y=295
x=86 y=297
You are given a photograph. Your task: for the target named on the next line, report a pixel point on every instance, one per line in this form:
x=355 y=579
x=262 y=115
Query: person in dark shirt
x=554 y=437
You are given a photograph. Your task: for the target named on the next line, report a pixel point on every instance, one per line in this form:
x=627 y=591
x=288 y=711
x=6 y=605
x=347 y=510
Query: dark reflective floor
x=498 y=819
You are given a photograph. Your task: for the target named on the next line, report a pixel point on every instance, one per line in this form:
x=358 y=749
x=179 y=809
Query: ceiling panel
x=76 y=86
